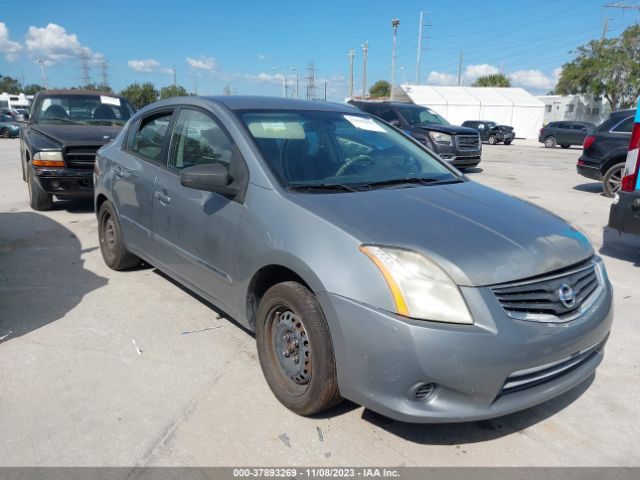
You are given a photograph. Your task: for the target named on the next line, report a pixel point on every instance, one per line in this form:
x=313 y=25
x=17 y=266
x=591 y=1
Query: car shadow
x=42 y=276
x=480 y=431
x=592 y=187
x=615 y=245
x=74 y=205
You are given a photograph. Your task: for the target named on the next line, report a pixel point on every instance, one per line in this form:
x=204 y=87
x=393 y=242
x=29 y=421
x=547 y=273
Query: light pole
x=365 y=53
x=293 y=69
x=44 y=75
x=394 y=24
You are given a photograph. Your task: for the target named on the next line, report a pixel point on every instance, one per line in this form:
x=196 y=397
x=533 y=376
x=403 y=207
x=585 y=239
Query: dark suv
x=60 y=139
x=564 y=134
x=491 y=132
x=459 y=146
x=605 y=151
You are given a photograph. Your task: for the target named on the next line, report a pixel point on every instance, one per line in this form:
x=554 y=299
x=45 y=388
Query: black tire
x=492 y=140
x=550 y=142
x=5 y=133
x=612 y=180
x=38 y=199
x=290 y=326
x=508 y=142
x=112 y=247
x=565 y=146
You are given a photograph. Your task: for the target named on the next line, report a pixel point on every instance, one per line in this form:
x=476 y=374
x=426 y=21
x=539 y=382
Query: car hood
x=505 y=128
x=478 y=235
x=450 y=129
x=78 y=134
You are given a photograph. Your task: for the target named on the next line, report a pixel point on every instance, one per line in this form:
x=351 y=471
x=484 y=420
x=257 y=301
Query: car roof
x=255 y=102
x=384 y=102
x=623 y=113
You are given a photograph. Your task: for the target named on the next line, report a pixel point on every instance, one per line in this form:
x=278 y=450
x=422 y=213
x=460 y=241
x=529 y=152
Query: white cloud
x=144 y=66
x=53 y=43
x=472 y=72
x=262 y=57
x=202 y=63
x=8 y=48
x=441 y=78
x=534 y=79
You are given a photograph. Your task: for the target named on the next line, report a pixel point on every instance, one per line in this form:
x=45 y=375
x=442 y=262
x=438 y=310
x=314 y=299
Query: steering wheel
x=363 y=160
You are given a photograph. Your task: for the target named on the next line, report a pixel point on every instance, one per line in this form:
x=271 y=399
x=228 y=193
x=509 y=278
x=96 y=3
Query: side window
x=387 y=114
x=626 y=126
x=149 y=137
x=481 y=126
x=197 y=140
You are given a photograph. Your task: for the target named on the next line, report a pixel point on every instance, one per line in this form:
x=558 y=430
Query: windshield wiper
x=409 y=180
x=327 y=187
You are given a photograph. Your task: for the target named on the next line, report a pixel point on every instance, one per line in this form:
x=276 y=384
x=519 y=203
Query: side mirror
x=395 y=123
x=211 y=177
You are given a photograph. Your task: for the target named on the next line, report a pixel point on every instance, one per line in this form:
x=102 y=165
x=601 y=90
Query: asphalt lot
x=100 y=368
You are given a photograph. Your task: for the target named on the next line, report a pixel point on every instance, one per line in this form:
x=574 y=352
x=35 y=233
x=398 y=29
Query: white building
x=584 y=108
x=507 y=106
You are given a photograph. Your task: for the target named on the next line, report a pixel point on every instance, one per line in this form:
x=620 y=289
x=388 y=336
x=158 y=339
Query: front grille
x=532 y=377
x=468 y=142
x=81 y=157
x=558 y=297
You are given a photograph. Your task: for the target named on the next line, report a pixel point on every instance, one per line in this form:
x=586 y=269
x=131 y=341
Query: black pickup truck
x=491 y=132
x=60 y=139
x=459 y=146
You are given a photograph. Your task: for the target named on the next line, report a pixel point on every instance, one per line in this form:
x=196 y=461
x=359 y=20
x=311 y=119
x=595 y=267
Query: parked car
x=624 y=214
x=564 y=134
x=368 y=268
x=491 y=132
x=605 y=151
x=60 y=140
x=459 y=146
x=11 y=112
x=9 y=128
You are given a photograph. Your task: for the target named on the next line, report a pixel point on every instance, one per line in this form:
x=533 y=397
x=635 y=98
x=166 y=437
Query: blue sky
x=251 y=44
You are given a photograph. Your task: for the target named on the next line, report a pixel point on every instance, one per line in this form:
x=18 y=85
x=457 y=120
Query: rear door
x=196 y=231
x=134 y=173
x=579 y=131
x=563 y=133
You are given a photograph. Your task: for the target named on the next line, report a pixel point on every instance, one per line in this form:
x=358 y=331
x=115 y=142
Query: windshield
x=83 y=110
x=419 y=115
x=333 y=151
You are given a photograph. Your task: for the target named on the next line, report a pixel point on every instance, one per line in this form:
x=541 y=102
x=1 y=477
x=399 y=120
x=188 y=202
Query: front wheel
x=508 y=142
x=5 y=133
x=295 y=349
x=550 y=142
x=493 y=140
x=38 y=199
x=612 y=180
x=114 y=252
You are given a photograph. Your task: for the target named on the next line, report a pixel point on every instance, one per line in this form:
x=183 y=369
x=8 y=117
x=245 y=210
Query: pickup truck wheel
x=295 y=349
x=112 y=247
x=612 y=180
x=508 y=142
x=565 y=146
x=492 y=140
x=550 y=142
x=38 y=199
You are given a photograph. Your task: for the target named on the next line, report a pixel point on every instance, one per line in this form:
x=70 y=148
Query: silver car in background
x=367 y=268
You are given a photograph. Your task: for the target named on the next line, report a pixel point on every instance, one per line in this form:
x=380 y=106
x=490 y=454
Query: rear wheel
x=550 y=142
x=38 y=199
x=112 y=247
x=492 y=140
x=508 y=142
x=5 y=133
x=612 y=180
x=295 y=349
x=565 y=146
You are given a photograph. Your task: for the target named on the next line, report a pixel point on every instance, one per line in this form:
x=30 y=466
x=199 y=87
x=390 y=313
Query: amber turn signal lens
x=48 y=163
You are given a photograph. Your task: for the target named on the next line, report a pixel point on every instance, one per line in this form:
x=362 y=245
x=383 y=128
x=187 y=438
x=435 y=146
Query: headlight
x=440 y=138
x=48 y=156
x=419 y=287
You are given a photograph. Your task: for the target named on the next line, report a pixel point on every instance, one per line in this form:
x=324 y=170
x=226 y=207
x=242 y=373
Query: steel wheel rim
x=109 y=238
x=289 y=349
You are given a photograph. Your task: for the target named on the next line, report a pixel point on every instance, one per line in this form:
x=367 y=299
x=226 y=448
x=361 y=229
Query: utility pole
x=195 y=86
x=325 y=91
x=460 y=67
x=44 y=75
x=311 y=81
x=104 y=69
x=351 y=56
x=85 y=68
x=395 y=23
x=173 y=71
x=293 y=69
x=420 y=38
x=284 y=85
x=365 y=53
x=605 y=28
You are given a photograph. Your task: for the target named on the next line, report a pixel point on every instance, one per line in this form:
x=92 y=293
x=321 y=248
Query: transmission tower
x=103 y=63
x=85 y=67
x=421 y=36
x=311 y=81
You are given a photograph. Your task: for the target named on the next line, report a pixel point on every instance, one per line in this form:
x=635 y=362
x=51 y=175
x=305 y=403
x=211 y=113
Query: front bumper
x=65 y=182
x=382 y=358
x=624 y=219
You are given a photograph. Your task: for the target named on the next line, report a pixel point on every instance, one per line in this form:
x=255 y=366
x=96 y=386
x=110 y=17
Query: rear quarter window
x=625 y=126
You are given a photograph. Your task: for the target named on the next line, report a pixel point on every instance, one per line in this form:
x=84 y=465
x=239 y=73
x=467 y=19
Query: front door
x=196 y=231
x=134 y=172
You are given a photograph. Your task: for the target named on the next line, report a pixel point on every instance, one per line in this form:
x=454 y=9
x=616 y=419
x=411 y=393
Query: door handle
x=118 y=171
x=162 y=197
